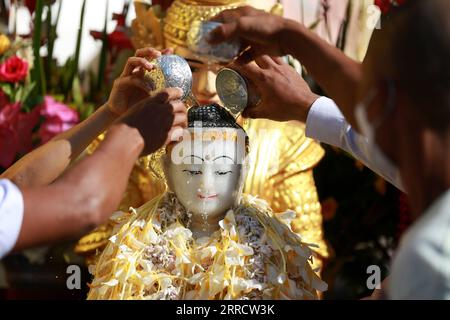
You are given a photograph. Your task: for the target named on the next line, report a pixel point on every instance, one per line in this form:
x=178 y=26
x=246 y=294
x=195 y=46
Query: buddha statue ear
x=166 y=165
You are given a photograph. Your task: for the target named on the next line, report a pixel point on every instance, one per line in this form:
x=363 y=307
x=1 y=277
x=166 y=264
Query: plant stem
x=37 y=72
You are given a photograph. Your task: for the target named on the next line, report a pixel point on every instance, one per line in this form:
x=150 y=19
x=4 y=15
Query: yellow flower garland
x=254 y=255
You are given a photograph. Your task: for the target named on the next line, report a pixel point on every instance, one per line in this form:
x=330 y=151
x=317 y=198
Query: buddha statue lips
x=204 y=239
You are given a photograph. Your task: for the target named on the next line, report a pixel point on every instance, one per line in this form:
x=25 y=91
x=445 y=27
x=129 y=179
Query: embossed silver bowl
x=171 y=71
x=235 y=92
x=232 y=90
x=197 y=42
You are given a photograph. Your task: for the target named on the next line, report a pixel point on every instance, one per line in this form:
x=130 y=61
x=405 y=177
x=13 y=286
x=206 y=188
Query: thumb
x=223 y=32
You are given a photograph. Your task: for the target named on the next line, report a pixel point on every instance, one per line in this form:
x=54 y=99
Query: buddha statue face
x=206 y=170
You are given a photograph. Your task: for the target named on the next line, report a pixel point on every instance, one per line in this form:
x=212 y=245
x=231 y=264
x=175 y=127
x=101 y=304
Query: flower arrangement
x=39 y=98
x=26 y=118
x=254 y=255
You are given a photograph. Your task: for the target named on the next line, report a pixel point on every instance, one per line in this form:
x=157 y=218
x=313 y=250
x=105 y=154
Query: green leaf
x=8 y=90
x=74 y=70
x=37 y=73
x=77 y=92
x=103 y=52
x=26 y=92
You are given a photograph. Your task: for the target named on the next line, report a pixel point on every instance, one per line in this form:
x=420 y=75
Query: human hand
x=159 y=119
x=257 y=28
x=284 y=94
x=130 y=87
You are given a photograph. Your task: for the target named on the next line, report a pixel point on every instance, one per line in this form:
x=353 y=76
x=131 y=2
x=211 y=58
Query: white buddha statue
x=204 y=239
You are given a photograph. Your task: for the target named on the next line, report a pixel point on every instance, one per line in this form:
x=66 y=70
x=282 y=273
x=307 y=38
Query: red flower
x=386 y=5
x=31 y=5
x=13 y=69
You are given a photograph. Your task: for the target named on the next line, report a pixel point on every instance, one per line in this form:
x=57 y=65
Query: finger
x=137 y=82
x=223 y=32
x=227 y=16
x=234 y=14
x=148 y=52
x=246 y=56
x=248 y=28
x=168 y=94
x=249 y=70
x=279 y=60
x=168 y=51
x=136 y=62
x=254 y=113
x=248 y=113
x=178 y=106
x=175 y=134
x=265 y=62
x=180 y=120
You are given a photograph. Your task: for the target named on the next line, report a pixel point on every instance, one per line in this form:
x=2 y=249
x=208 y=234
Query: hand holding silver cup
x=197 y=42
x=170 y=71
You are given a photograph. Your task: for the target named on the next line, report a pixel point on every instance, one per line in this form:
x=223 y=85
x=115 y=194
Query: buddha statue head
x=176 y=22
x=206 y=169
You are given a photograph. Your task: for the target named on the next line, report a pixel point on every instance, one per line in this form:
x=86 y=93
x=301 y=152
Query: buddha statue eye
x=222 y=173
x=192 y=172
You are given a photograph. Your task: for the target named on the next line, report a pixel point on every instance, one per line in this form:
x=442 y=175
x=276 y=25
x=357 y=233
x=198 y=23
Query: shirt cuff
x=11 y=215
x=325 y=122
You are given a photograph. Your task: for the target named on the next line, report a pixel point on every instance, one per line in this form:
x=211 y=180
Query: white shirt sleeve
x=11 y=215
x=420 y=268
x=327 y=124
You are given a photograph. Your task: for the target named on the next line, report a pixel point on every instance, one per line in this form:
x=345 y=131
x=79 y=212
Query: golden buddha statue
x=202 y=238
x=283 y=158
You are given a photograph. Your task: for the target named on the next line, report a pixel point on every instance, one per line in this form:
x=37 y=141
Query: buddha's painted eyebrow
x=194 y=156
x=223 y=157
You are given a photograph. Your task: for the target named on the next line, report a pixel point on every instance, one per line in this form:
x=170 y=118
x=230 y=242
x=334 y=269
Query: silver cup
x=197 y=42
x=235 y=91
x=170 y=71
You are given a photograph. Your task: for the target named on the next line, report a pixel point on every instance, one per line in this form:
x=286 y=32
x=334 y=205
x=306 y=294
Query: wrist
x=122 y=135
x=112 y=115
x=305 y=107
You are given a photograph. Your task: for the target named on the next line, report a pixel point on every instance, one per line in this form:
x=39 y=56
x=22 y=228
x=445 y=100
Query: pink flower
x=9 y=115
x=58 y=118
x=13 y=69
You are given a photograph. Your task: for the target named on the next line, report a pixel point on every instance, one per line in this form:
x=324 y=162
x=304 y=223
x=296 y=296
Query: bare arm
x=85 y=196
x=336 y=73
